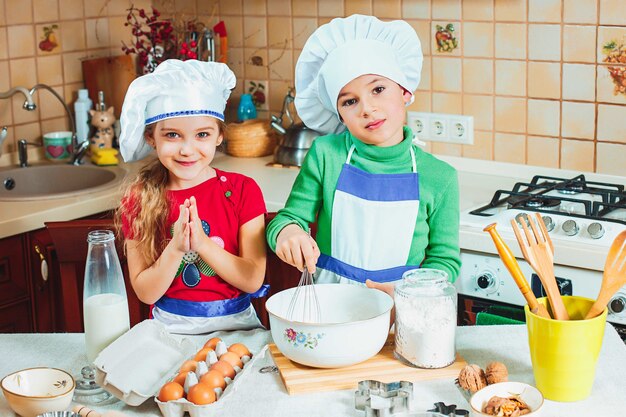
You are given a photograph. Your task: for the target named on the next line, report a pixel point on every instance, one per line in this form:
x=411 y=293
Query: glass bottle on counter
x=246 y=109
x=425 y=325
x=105 y=310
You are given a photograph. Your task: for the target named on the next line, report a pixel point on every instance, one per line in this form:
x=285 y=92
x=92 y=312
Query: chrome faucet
x=29 y=104
x=3 y=136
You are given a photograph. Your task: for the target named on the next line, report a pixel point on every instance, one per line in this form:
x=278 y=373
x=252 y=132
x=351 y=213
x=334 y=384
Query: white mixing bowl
x=354 y=325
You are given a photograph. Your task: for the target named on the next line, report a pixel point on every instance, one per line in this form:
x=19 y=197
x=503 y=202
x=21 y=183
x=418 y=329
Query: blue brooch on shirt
x=192 y=264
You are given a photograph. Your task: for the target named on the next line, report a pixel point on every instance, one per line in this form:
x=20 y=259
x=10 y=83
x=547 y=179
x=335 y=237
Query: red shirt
x=225 y=203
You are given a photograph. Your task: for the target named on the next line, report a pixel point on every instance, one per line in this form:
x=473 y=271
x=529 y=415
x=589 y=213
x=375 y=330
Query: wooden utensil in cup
x=514 y=269
x=538 y=250
x=614 y=276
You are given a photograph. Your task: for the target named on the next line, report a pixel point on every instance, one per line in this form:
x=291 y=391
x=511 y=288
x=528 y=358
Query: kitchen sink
x=45 y=182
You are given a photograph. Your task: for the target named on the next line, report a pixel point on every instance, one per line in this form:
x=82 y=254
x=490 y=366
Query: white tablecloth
x=262 y=395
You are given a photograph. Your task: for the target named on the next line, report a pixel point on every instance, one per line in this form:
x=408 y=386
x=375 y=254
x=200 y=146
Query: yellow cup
x=564 y=352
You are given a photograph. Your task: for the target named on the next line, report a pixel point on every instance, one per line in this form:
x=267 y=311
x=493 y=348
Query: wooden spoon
x=614 y=276
x=514 y=269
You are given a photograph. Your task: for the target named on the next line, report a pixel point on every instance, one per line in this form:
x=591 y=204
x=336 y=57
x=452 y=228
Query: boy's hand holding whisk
x=297 y=248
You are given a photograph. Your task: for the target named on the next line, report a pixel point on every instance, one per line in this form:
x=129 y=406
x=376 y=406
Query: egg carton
x=135 y=366
x=177 y=408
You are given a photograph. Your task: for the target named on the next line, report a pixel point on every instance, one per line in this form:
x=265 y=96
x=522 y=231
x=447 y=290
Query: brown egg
x=240 y=349
x=214 y=378
x=201 y=355
x=212 y=342
x=180 y=378
x=188 y=366
x=232 y=358
x=201 y=394
x=225 y=368
x=171 y=391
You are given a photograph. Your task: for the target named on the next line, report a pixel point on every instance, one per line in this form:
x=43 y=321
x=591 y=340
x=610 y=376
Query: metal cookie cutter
x=395 y=397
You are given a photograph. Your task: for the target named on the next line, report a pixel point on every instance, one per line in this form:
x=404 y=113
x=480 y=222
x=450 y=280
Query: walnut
x=472 y=378
x=496 y=372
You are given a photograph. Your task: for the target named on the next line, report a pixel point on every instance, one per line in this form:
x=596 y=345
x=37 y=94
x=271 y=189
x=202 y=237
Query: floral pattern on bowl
x=301 y=339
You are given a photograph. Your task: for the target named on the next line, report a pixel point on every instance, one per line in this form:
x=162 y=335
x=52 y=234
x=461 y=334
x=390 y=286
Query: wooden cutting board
x=112 y=75
x=382 y=367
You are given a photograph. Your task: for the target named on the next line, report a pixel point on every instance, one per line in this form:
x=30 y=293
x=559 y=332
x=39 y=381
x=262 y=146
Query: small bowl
x=35 y=391
x=527 y=393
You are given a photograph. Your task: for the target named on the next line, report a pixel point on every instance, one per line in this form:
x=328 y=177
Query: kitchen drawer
x=16 y=318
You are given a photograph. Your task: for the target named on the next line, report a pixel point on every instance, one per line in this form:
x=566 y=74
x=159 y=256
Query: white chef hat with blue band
x=344 y=49
x=175 y=89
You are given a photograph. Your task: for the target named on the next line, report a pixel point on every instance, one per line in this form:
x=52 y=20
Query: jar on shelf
x=425 y=325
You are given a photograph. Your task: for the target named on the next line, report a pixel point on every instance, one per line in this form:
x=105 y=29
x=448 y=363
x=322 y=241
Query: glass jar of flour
x=425 y=323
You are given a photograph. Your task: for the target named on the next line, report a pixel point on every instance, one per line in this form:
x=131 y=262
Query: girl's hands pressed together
x=180 y=238
x=297 y=248
x=197 y=237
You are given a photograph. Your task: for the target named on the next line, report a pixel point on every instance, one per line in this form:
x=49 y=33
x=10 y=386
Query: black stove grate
x=533 y=196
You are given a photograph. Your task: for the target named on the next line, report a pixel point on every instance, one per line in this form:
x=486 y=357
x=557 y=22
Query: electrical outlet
x=442 y=127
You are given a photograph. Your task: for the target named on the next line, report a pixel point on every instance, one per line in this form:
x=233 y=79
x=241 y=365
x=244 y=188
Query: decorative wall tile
x=544 y=42
x=50 y=70
x=578 y=120
x=478 y=76
x=21 y=41
x=446 y=38
x=510 y=115
x=481 y=107
x=482 y=147
x=548 y=11
x=608 y=38
x=332 y=8
x=510 y=148
x=253 y=7
x=510 y=40
x=612 y=12
x=446 y=74
x=447 y=103
x=303 y=27
x=577 y=155
x=510 y=78
x=255 y=63
x=446 y=9
x=607 y=88
x=71 y=9
x=413 y=9
x=478 y=39
x=579 y=43
x=611 y=126
x=45 y=10
x=510 y=10
x=278 y=7
x=19 y=12
x=576 y=11
x=544 y=79
x=610 y=159
x=255 y=32
x=543 y=151
x=543 y=117
x=478 y=9
x=387 y=8
x=48 y=39
x=577 y=82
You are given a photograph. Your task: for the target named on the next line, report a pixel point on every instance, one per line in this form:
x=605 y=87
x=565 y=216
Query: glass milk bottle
x=105 y=306
x=425 y=325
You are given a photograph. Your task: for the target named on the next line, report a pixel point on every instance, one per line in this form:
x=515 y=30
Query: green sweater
x=436 y=236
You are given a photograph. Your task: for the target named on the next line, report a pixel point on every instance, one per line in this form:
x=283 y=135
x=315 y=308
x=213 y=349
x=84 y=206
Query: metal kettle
x=295 y=140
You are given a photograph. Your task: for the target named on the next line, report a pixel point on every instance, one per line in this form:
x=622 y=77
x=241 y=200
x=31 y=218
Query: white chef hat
x=344 y=49
x=175 y=89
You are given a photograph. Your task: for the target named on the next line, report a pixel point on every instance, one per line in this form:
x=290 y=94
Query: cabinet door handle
x=44 y=263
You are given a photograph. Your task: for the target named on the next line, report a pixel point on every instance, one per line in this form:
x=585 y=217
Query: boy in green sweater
x=382 y=205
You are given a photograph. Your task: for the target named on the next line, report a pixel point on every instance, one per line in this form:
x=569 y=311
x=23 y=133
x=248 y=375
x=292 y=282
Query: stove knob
x=595 y=230
x=570 y=227
x=547 y=220
x=485 y=280
x=617 y=304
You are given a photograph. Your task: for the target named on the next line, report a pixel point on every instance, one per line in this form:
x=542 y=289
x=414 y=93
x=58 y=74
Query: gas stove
x=583 y=218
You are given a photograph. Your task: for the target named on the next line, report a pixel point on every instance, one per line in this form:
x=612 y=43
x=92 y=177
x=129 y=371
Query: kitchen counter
x=477 y=180
x=262 y=395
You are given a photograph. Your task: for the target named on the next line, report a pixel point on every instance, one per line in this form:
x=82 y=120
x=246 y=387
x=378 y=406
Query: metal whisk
x=304 y=305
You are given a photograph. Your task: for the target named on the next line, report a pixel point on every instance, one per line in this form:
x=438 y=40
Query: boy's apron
x=373 y=222
x=196 y=317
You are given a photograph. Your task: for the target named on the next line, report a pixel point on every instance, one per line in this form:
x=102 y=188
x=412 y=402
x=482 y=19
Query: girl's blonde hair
x=146 y=206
